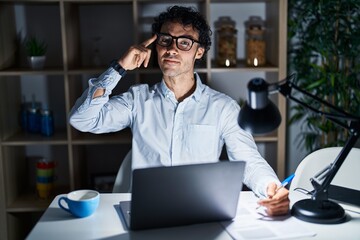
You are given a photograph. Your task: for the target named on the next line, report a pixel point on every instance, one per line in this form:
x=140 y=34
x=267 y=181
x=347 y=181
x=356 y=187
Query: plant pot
x=37 y=62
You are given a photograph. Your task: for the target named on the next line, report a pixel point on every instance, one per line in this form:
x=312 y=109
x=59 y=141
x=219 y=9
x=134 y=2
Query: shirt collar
x=199 y=88
x=196 y=95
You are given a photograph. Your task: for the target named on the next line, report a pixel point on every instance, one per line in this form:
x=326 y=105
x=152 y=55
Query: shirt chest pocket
x=200 y=141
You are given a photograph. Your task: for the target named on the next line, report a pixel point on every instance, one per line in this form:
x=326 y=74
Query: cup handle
x=62 y=206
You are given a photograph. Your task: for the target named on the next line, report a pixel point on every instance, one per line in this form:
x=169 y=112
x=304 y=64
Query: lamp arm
x=321 y=181
x=331 y=116
x=286 y=86
x=321 y=188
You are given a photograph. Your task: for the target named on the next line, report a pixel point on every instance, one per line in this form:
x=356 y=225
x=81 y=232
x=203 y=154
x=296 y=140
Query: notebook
x=183 y=195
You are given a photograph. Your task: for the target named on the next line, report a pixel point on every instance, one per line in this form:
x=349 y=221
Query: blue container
x=23 y=117
x=33 y=120
x=47 y=122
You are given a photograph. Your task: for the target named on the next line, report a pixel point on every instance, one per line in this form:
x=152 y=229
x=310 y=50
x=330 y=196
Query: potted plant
x=36 y=50
x=324 y=48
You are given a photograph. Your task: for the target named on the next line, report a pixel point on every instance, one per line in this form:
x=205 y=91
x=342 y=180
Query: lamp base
x=324 y=212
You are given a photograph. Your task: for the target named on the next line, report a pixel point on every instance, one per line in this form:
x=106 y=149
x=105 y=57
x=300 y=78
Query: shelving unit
x=83 y=36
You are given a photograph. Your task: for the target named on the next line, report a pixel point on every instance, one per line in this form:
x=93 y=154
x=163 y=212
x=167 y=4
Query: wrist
x=117 y=67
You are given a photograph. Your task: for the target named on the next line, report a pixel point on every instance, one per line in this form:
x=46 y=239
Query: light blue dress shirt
x=167 y=132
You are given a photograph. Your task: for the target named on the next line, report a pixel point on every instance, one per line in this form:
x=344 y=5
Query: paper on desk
x=252 y=223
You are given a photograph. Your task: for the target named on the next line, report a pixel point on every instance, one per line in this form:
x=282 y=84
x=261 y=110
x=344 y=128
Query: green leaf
x=323 y=50
x=35 y=47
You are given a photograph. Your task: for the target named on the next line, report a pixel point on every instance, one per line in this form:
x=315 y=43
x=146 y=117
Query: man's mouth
x=170 y=61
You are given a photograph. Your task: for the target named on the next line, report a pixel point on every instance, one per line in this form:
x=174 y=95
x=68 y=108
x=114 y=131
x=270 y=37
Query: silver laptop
x=183 y=195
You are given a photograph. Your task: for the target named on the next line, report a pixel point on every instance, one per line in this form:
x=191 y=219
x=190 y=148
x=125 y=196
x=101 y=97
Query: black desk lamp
x=260 y=115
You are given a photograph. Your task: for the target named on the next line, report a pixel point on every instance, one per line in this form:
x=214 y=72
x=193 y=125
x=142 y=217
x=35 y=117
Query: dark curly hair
x=187 y=16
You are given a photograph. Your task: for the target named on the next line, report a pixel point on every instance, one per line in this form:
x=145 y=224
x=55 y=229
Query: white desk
x=106 y=223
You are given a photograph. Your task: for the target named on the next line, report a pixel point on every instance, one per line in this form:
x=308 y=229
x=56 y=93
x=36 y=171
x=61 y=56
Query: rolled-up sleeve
x=97 y=115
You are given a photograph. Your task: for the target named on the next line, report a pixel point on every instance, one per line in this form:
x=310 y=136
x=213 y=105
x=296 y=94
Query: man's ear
x=199 y=53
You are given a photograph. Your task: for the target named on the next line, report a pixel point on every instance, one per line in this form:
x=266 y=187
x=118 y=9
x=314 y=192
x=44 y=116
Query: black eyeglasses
x=183 y=43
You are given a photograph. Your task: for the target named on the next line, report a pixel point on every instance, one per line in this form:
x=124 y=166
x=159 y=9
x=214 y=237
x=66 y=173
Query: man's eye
x=165 y=40
x=185 y=42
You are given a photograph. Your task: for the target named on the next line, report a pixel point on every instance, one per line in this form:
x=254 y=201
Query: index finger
x=279 y=196
x=149 y=41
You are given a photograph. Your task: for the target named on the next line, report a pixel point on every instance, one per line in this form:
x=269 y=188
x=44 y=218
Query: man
x=178 y=120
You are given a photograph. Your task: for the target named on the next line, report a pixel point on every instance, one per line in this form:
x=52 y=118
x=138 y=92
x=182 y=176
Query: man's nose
x=173 y=45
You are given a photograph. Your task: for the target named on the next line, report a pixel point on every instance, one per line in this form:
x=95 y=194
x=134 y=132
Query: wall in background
x=233 y=84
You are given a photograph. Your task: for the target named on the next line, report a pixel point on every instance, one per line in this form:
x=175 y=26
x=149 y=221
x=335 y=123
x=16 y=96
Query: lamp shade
x=259 y=121
x=259 y=115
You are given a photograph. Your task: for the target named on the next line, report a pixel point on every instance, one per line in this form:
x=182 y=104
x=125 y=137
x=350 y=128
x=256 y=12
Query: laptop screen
x=182 y=195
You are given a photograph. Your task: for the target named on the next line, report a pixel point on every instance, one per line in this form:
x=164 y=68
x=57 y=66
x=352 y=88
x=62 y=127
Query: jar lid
x=46 y=112
x=224 y=21
x=255 y=22
x=33 y=110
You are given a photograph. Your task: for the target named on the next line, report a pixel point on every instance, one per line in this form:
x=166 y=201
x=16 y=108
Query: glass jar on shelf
x=255 y=42
x=225 y=42
x=47 y=122
x=33 y=124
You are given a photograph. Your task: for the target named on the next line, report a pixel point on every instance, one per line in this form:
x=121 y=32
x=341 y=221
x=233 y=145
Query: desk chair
x=123 y=178
x=347 y=176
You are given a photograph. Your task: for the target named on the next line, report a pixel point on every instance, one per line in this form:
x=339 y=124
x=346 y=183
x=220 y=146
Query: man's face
x=173 y=61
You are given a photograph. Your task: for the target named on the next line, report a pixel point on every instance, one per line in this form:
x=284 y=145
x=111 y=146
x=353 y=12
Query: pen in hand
x=283 y=184
x=286 y=182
